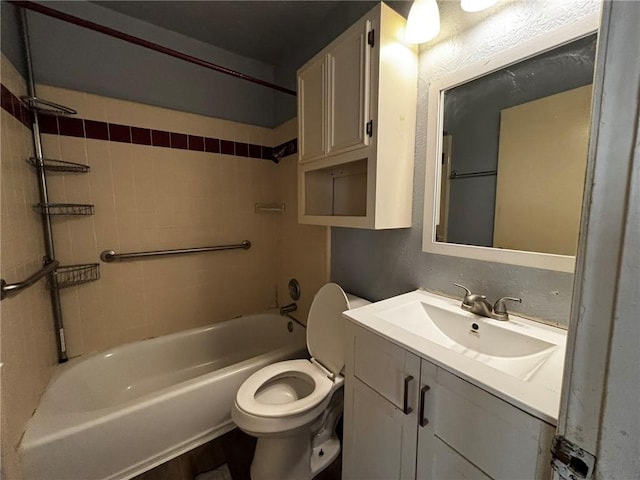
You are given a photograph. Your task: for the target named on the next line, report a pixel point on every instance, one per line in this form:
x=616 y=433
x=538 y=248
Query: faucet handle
x=500 y=309
x=469 y=298
x=465 y=288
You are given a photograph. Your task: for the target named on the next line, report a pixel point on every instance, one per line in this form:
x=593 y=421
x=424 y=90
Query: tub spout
x=292 y=307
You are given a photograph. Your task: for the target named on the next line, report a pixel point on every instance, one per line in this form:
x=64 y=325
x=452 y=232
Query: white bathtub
x=119 y=413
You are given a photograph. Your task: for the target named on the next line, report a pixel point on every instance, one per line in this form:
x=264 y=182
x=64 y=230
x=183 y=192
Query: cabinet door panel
x=312 y=110
x=497 y=437
x=383 y=438
x=449 y=464
x=348 y=64
x=385 y=366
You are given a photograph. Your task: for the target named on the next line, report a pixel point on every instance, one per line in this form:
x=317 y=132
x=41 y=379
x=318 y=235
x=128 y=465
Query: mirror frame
x=545 y=42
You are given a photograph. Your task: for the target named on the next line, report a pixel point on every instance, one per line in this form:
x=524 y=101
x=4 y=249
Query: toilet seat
x=303 y=369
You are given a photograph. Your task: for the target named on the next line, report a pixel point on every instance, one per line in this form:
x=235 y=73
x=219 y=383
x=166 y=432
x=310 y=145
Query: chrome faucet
x=479 y=305
x=292 y=307
x=500 y=309
x=474 y=303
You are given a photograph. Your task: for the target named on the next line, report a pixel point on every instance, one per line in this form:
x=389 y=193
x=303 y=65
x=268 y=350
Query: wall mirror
x=507 y=148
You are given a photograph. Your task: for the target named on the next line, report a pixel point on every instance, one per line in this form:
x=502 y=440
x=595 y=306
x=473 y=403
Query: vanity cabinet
x=435 y=426
x=356 y=127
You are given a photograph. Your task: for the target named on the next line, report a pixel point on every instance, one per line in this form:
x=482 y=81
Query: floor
x=234 y=448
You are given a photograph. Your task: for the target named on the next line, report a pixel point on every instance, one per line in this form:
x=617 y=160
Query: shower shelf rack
x=50 y=209
x=46 y=107
x=61 y=276
x=52 y=165
x=74 y=275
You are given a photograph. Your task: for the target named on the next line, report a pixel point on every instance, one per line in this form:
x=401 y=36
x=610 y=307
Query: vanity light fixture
x=476 y=5
x=423 y=23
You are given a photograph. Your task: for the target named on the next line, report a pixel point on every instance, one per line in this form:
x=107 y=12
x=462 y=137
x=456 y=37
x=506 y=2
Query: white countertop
x=539 y=395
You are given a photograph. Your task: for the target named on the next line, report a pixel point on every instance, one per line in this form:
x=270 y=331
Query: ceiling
x=261 y=30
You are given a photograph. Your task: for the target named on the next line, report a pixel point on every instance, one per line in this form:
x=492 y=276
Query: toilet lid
x=325 y=327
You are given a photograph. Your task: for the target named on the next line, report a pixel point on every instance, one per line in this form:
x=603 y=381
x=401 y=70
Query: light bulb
x=476 y=5
x=423 y=23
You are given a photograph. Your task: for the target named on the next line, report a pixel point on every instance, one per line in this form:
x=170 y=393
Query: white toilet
x=293 y=406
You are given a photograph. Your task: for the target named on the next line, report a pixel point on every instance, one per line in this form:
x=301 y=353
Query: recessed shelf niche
x=339 y=190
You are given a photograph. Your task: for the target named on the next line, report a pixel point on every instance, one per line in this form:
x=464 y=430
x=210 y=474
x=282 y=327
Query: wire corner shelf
x=64 y=209
x=46 y=107
x=74 y=275
x=53 y=165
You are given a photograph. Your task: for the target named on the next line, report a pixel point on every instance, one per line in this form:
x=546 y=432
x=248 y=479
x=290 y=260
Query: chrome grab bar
x=110 y=255
x=7 y=289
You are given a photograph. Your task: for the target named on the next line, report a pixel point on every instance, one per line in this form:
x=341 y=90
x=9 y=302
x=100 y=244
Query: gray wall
x=292 y=59
x=72 y=57
x=10 y=41
x=380 y=264
x=472 y=117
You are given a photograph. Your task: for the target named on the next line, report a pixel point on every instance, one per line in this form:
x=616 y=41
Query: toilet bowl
x=292 y=407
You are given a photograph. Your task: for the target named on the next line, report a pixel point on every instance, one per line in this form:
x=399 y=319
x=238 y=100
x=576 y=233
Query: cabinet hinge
x=370 y=128
x=371 y=36
x=570 y=461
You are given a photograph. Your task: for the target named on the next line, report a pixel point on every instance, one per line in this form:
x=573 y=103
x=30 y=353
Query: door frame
x=607 y=277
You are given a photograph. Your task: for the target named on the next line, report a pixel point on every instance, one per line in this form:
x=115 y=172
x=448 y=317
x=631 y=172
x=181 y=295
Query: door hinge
x=371 y=38
x=570 y=461
x=370 y=128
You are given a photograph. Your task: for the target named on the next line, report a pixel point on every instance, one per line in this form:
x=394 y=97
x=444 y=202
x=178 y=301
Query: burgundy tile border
x=227 y=147
x=196 y=143
x=242 y=149
x=6 y=99
x=267 y=153
x=119 y=133
x=179 y=140
x=255 y=151
x=96 y=130
x=14 y=106
x=160 y=138
x=212 y=145
x=78 y=127
x=49 y=124
x=140 y=136
x=71 y=127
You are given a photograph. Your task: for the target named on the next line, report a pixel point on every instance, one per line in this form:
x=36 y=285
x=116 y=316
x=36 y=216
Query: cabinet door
x=437 y=460
x=348 y=87
x=379 y=434
x=495 y=437
x=449 y=464
x=382 y=438
x=312 y=110
x=387 y=368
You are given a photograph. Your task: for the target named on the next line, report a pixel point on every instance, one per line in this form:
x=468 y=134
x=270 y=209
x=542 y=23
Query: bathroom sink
x=509 y=347
x=520 y=360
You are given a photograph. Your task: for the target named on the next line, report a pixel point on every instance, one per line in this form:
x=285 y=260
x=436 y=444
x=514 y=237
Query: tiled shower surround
x=193 y=185
x=159 y=179
x=28 y=345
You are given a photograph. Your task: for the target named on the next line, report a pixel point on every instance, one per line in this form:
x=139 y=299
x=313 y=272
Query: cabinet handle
x=423 y=393
x=406 y=409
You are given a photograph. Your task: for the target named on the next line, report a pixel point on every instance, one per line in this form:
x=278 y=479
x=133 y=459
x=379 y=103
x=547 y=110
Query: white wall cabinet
x=440 y=427
x=356 y=127
x=348 y=88
x=311 y=113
